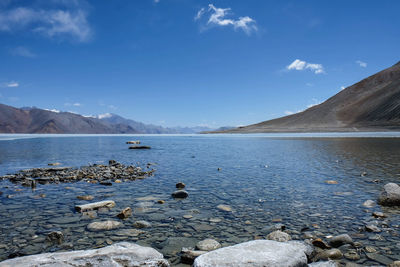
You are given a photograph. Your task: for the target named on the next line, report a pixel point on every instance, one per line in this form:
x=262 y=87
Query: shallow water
x=264 y=178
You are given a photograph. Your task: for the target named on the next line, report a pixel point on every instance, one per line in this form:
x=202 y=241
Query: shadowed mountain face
x=372 y=104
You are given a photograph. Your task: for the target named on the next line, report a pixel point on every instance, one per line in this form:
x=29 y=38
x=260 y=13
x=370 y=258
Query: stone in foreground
x=95 y=205
x=266 y=253
x=119 y=254
x=390 y=195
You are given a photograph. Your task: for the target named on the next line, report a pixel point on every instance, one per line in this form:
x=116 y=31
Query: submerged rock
x=390 y=195
x=119 y=254
x=257 y=253
x=340 y=240
x=331 y=254
x=142 y=224
x=87 y=197
x=224 y=207
x=139 y=147
x=103 y=226
x=188 y=256
x=136 y=142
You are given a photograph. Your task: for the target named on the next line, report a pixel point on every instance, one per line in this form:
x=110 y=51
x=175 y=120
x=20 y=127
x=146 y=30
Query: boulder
x=257 y=253
x=390 y=195
x=180 y=194
x=119 y=254
x=208 y=245
x=340 y=240
x=136 y=142
x=279 y=236
x=103 y=226
x=95 y=205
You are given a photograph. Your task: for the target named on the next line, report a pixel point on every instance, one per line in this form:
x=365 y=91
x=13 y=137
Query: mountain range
x=36 y=120
x=372 y=104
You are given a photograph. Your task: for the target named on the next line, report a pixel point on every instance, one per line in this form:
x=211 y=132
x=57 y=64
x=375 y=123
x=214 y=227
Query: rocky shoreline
x=96 y=173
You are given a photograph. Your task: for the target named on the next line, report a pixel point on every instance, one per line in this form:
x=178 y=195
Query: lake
x=265 y=179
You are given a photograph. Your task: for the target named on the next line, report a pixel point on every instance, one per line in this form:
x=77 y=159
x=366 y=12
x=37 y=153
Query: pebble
x=372 y=228
x=103 y=226
x=180 y=185
x=340 y=240
x=331 y=254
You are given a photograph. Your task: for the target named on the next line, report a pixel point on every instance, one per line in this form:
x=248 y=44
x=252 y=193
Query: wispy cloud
x=73 y=104
x=53 y=110
x=68 y=21
x=303 y=65
x=23 y=52
x=361 y=63
x=11 y=84
x=218 y=17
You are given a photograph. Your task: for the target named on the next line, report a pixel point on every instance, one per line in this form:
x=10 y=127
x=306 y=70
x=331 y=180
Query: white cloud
x=104 y=116
x=218 y=18
x=11 y=84
x=70 y=22
x=288 y=112
x=23 y=52
x=315 y=102
x=156 y=1
x=303 y=65
x=112 y=107
x=342 y=88
x=361 y=63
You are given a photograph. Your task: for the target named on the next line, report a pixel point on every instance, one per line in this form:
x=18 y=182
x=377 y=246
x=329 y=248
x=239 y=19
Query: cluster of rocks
x=96 y=173
x=136 y=143
x=180 y=193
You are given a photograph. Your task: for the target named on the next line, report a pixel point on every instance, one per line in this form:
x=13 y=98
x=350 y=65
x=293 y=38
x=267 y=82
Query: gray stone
x=125 y=213
x=279 y=236
x=224 y=207
x=95 y=205
x=142 y=224
x=372 y=228
x=390 y=195
x=208 y=245
x=330 y=254
x=103 y=226
x=340 y=240
x=56 y=237
x=257 y=253
x=117 y=255
x=379 y=258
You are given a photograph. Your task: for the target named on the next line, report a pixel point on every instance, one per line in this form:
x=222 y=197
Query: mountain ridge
x=372 y=104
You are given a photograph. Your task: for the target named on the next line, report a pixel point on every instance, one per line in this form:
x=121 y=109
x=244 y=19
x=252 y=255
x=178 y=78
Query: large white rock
x=117 y=255
x=266 y=253
x=103 y=226
x=390 y=195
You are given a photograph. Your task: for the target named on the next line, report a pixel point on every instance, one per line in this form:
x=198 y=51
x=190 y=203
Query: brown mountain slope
x=372 y=104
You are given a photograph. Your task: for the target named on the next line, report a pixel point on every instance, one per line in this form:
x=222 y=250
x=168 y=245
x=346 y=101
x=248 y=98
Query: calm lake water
x=264 y=178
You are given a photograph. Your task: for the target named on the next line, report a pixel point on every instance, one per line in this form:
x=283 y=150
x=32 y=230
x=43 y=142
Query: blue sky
x=190 y=62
